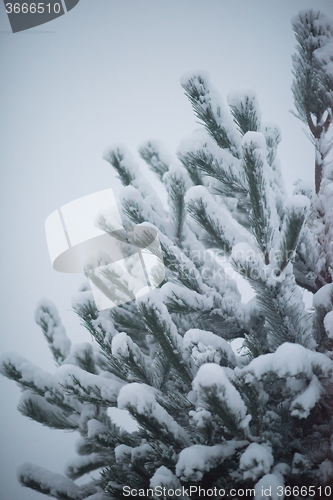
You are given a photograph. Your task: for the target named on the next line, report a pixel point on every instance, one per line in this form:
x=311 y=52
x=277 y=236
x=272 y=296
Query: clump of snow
x=95 y=428
x=140 y=399
x=123 y=453
x=195 y=460
x=300 y=464
x=324 y=297
x=165 y=478
x=200 y=417
x=120 y=345
x=212 y=377
x=328 y=324
x=123 y=419
x=256 y=460
x=255 y=140
x=303 y=404
x=203 y=346
x=289 y=360
x=297 y=202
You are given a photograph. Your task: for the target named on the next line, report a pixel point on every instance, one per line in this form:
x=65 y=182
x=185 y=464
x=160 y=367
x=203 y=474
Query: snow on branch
x=129 y=172
x=290 y=360
x=155 y=155
x=87 y=386
x=48 y=319
x=139 y=400
x=197 y=460
x=37 y=408
x=48 y=483
x=245 y=110
x=207 y=106
x=218 y=395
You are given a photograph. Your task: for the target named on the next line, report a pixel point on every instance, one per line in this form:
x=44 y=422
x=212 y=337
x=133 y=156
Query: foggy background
x=108 y=71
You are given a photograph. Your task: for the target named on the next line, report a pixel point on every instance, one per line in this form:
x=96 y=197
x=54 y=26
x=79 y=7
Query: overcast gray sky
x=108 y=71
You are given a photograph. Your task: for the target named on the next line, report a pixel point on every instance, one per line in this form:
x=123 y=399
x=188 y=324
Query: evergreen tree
x=206 y=417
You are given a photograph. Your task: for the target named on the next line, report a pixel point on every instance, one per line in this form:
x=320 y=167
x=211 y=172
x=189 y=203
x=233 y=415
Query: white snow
x=195 y=460
x=120 y=345
x=303 y=404
x=289 y=360
x=127 y=454
x=324 y=297
x=123 y=419
x=211 y=375
x=141 y=398
x=165 y=478
x=95 y=428
x=297 y=202
x=256 y=140
x=328 y=324
x=256 y=460
x=203 y=346
x=123 y=453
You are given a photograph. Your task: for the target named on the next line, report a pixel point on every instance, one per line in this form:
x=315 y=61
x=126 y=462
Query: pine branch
x=207 y=108
x=217 y=167
x=48 y=483
x=160 y=325
x=176 y=187
x=153 y=154
x=260 y=207
x=37 y=408
x=245 y=111
x=131 y=356
x=48 y=319
x=295 y=218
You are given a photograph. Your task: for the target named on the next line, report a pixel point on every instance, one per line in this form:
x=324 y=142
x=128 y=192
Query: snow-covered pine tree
x=206 y=417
